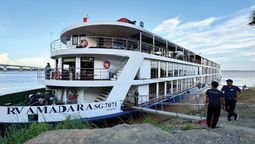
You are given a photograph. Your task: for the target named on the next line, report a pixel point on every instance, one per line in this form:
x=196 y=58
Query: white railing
x=78 y=74
x=100 y=42
x=125 y=44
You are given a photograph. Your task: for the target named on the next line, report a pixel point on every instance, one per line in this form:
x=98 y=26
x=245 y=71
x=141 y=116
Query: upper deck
x=120 y=35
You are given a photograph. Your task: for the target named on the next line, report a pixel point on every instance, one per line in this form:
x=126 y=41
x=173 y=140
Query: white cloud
x=4 y=59
x=37 y=62
x=167 y=26
x=249 y=53
x=226 y=36
x=174 y=26
x=220 y=59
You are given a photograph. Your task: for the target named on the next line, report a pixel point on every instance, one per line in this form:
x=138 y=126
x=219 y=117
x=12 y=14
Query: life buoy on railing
x=56 y=75
x=107 y=64
x=84 y=45
x=72 y=98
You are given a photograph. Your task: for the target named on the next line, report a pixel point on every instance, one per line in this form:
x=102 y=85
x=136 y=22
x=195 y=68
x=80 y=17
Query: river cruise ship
x=103 y=68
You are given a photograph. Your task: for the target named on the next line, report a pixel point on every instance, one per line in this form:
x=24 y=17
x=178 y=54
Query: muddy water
x=194 y=99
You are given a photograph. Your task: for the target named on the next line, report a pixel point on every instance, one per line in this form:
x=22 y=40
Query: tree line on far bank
x=252 y=22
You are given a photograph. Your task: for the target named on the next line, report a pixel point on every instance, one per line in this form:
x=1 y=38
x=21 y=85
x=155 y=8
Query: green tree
x=252 y=22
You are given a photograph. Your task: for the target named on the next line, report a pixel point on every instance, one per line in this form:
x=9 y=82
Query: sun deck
x=124 y=36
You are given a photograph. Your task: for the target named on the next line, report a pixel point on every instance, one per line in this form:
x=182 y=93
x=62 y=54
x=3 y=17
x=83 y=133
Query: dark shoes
x=236 y=116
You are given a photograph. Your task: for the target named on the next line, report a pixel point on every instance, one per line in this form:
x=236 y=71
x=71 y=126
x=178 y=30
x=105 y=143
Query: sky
x=215 y=28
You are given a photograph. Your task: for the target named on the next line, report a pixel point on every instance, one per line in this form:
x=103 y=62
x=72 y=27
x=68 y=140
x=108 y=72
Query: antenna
x=87 y=16
x=51 y=33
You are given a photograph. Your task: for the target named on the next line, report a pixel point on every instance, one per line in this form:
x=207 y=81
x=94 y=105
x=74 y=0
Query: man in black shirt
x=215 y=98
x=232 y=94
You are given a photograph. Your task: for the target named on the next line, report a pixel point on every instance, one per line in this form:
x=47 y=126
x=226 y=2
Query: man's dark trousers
x=213 y=114
x=230 y=104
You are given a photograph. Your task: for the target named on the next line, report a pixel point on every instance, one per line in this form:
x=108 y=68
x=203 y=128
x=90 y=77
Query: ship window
x=68 y=70
x=75 y=40
x=87 y=68
x=162 y=69
x=194 y=70
x=152 y=90
x=82 y=37
x=185 y=70
x=191 y=70
x=68 y=42
x=161 y=88
x=168 y=87
x=174 y=86
x=154 y=69
x=100 y=42
x=175 y=70
x=170 y=69
x=33 y=118
x=179 y=85
x=180 y=69
x=71 y=96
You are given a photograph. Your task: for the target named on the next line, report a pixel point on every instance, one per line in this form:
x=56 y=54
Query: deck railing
x=145 y=100
x=121 y=43
x=78 y=74
x=99 y=42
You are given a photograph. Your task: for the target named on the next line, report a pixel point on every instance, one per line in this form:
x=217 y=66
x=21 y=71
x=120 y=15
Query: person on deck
x=47 y=71
x=232 y=94
x=213 y=101
x=136 y=94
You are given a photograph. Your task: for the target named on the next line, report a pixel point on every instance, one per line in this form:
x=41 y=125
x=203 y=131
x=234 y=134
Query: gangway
x=166 y=113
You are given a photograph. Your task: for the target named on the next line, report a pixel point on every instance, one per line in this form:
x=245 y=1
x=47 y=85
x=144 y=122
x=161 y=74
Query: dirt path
x=245 y=108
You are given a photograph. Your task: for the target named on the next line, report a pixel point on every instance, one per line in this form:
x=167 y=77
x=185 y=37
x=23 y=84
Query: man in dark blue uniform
x=47 y=71
x=232 y=94
x=215 y=98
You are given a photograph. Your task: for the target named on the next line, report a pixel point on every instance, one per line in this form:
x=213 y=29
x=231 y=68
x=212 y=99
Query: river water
x=240 y=78
x=16 y=81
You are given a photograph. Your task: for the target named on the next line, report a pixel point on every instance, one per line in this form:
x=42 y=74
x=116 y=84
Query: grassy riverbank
x=248 y=96
x=20 y=134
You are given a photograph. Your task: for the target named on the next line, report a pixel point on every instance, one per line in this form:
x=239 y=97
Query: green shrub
x=187 y=126
x=18 y=135
x=74 y=124
x=149 y=120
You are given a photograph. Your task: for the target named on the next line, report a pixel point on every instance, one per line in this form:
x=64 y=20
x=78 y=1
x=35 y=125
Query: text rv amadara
x=103 y=67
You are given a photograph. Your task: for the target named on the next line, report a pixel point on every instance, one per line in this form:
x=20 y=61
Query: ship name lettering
x=70 y=108
x=53 y=110
x=11 y=110
x=30 y=111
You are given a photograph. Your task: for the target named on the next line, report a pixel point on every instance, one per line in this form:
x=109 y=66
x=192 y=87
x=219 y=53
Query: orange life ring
x=56 y=75
x=72 y=97
x=107 y=64
x=86 y=43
